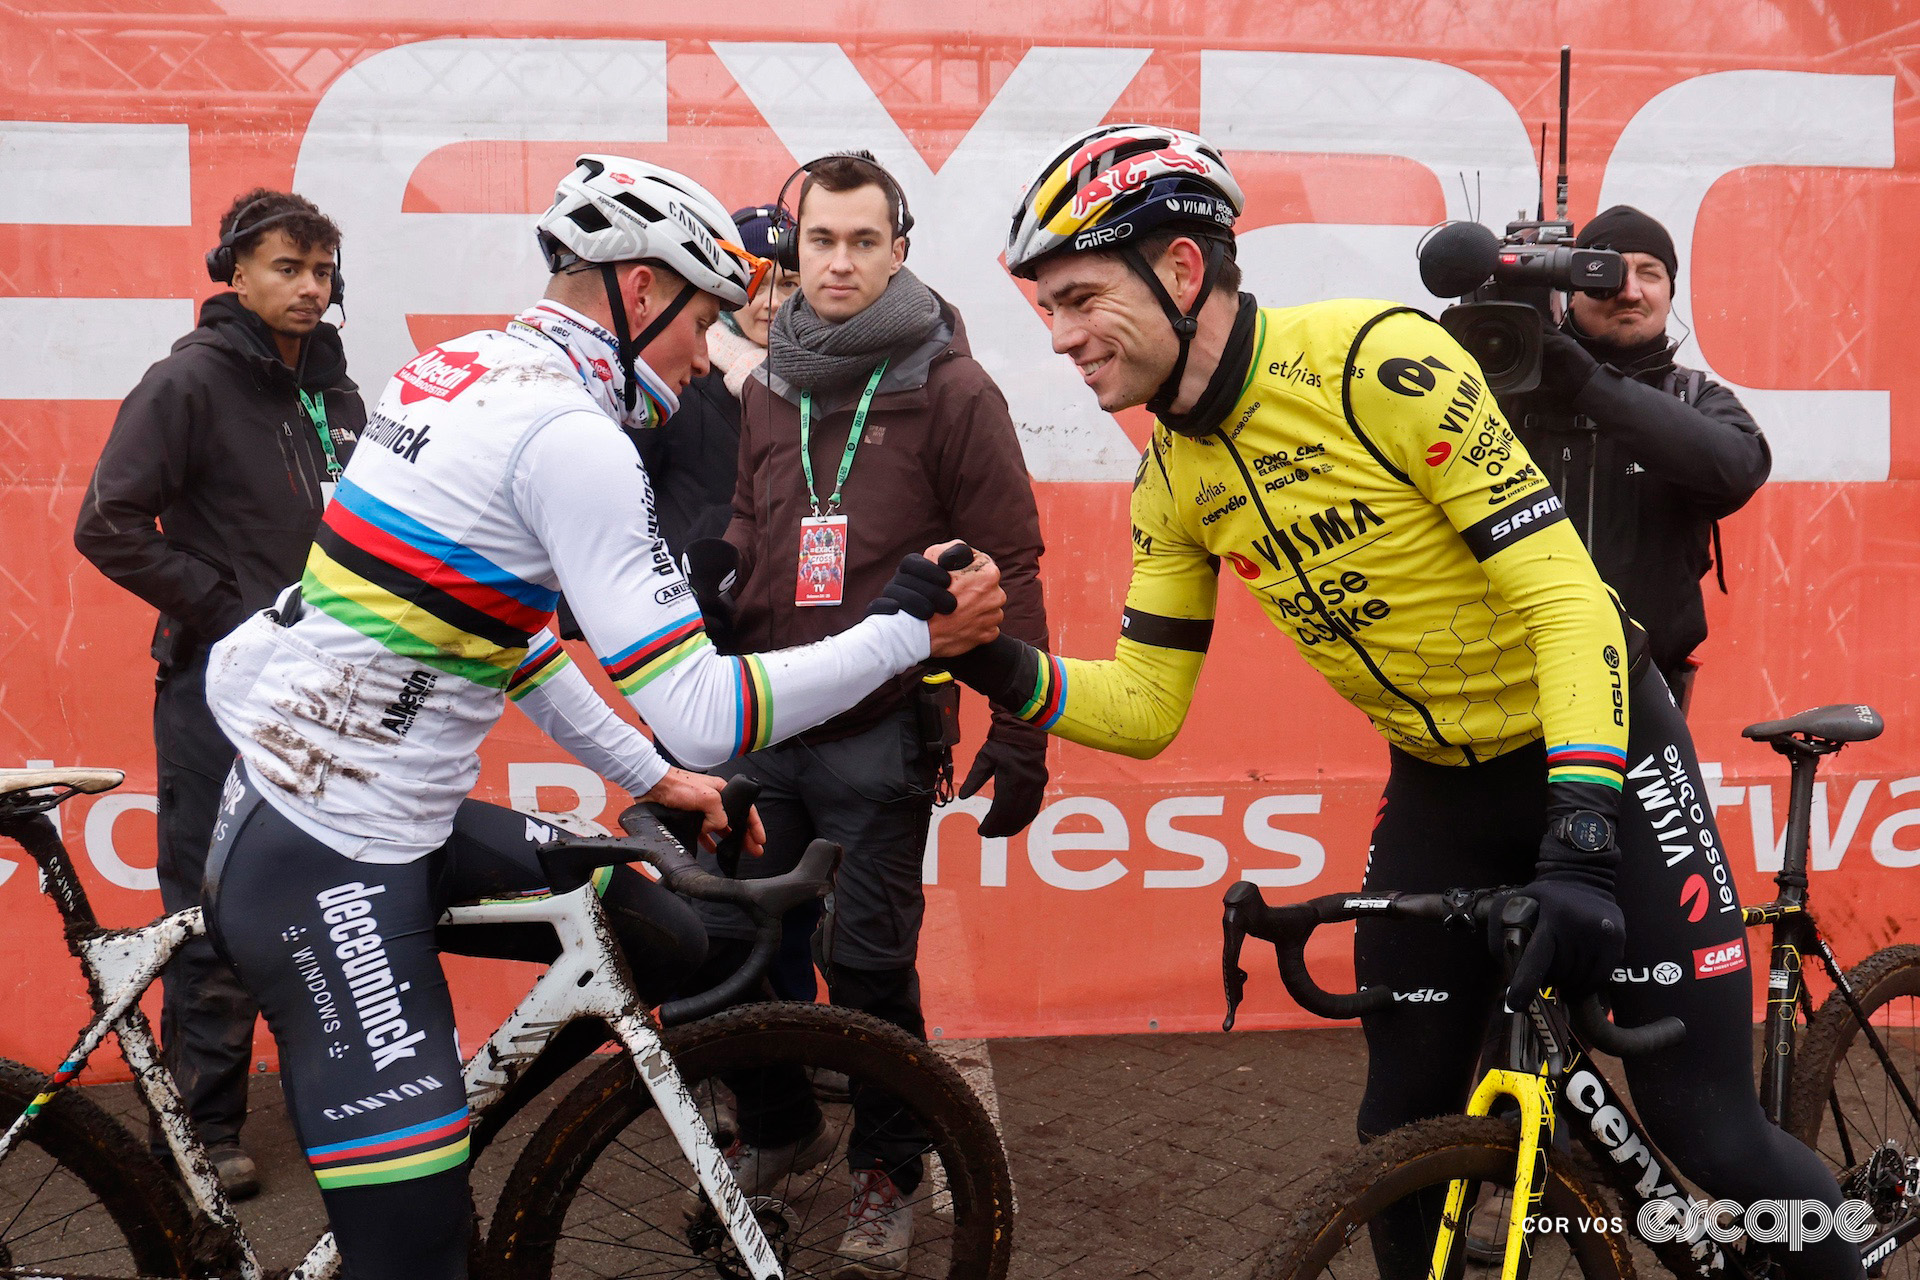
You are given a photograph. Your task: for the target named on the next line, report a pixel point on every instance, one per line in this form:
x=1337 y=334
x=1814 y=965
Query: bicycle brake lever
x=736 y=801
x=1235 y=978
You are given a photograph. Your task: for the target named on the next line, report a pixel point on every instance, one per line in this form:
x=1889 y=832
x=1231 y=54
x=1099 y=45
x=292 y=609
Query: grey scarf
x=814 y=355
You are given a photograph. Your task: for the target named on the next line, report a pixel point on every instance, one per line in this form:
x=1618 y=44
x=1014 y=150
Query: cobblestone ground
x=1134 y=1157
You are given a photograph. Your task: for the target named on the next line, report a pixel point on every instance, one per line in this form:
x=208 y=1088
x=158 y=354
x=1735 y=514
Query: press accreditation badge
x=823 y=560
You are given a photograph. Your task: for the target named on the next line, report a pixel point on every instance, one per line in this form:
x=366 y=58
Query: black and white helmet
x=613 y=209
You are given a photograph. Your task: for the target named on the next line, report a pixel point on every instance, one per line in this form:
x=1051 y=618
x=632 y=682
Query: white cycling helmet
x=612 y=209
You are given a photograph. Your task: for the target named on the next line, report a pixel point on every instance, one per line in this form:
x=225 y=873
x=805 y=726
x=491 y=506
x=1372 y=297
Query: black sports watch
x=1584 y=830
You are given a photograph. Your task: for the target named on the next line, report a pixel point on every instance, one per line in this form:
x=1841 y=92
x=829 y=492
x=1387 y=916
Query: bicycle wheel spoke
x=31 y=1196
x=609 y=1192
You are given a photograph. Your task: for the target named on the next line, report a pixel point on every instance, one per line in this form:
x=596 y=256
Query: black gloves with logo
x=1566 y=367
x=1581 y=935
x=712 y=566
x=919 y=586
x=1018 y=770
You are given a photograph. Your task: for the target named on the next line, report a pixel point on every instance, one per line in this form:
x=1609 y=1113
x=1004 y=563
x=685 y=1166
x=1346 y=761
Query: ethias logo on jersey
x=440 y=374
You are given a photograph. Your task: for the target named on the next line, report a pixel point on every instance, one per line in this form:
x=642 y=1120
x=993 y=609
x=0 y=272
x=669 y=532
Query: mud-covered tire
x=1878 y=981
x=1334 y=1216
x=80 y=1194
x=603 y=1137
x=1836 y=1067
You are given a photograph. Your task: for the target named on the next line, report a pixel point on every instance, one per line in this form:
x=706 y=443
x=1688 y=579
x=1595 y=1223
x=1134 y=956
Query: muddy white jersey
x=491 y=478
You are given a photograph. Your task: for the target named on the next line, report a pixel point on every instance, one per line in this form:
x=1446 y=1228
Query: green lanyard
x=316 y=409
x=853 y=442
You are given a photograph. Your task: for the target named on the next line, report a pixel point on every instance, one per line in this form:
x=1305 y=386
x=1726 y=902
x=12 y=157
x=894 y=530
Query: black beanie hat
x=1624 y=229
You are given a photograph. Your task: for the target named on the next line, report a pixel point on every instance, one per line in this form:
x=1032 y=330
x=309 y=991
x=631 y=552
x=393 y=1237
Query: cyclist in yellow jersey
x=1345 y=463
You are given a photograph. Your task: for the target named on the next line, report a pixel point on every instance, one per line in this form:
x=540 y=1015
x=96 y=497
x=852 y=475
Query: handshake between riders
x=1343 y=460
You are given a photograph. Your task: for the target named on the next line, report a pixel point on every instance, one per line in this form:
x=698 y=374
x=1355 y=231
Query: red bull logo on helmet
x=1130 y=173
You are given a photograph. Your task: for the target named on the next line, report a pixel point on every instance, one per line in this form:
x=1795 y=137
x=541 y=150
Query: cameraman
x=1648 y=456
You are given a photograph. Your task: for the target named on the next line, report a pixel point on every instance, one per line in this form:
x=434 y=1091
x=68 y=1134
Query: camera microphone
x=1458 y=257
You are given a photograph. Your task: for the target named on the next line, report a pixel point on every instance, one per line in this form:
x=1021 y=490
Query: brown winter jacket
x=939 y=459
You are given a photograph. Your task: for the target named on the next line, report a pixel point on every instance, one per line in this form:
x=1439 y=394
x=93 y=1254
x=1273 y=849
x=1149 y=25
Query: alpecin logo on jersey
x=440 y=374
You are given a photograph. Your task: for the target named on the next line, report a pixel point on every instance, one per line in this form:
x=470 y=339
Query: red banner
x=1777 y=160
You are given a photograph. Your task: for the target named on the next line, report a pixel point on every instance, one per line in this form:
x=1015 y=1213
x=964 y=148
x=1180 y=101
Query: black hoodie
x=1655 y=455
x=214 y=446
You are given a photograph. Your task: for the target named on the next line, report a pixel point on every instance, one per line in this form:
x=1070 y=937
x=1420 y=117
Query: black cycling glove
x=1581 y=935
x=919 y=587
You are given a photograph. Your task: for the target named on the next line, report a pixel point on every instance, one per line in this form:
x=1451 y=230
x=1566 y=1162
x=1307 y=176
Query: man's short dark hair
x=298 y=216
x=850 y=173
x=1226 y=279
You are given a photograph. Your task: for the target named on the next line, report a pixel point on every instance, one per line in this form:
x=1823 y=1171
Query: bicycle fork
x=1535 y=1100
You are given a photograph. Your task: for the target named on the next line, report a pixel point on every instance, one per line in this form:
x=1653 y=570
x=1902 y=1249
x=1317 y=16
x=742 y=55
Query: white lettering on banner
x=1263 y=835
x=525 y=778
x=1688 y=137
x=1826 y=842
x=52 y=345
x=993 y=849
x=386 y=114
x=147 y=163
x=1045 y=839
x=1443 y=117
x=53 y=348
x=1885 y=851
x=1210 y=853
x=1719 y=795
x=816 y=101
x=99 y=837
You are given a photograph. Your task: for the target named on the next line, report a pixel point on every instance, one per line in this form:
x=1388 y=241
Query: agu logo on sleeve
x=1727 y=957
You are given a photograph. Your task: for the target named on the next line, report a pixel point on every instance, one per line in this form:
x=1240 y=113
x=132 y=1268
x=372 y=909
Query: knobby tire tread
x=133 y=1189
x=1416 y=1156
x=560 y=1154
x=1894 y=971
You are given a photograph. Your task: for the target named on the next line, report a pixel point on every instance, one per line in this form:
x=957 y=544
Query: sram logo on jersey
x=440 y=374
x=1516 y=520
x=1728 y=957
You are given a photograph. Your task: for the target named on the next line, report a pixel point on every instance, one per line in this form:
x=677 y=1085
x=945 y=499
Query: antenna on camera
x=1560 y=179
x=1540 y=175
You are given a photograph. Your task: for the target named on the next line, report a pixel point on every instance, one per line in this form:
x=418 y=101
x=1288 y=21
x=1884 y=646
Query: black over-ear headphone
x=786 y=231
x=220 y=258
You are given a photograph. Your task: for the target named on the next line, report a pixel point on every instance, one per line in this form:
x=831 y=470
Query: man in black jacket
x=230 y=446
x=1647 y=456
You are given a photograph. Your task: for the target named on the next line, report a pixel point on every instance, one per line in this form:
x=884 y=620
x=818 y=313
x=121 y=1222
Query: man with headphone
x=203 y=504
x=868 y=432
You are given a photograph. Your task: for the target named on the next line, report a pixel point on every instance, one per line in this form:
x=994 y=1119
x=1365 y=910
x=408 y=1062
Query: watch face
x=1587 y=832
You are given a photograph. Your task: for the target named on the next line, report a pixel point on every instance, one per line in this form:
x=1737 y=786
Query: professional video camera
x=1510 y=286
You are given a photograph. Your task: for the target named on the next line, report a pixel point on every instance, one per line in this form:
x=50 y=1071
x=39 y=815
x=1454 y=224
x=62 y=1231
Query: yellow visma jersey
x=1367 y=491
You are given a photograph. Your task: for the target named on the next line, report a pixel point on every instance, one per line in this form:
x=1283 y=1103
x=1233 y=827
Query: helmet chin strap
x=629 y=349
x=1184 y=325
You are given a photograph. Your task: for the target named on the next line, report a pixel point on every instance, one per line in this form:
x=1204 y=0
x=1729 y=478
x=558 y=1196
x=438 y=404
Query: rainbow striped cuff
x=540 y=666
x=753 y=718
x=398 y=1155
x=1594 y=762
x=638 y=665
x=1048 y=700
